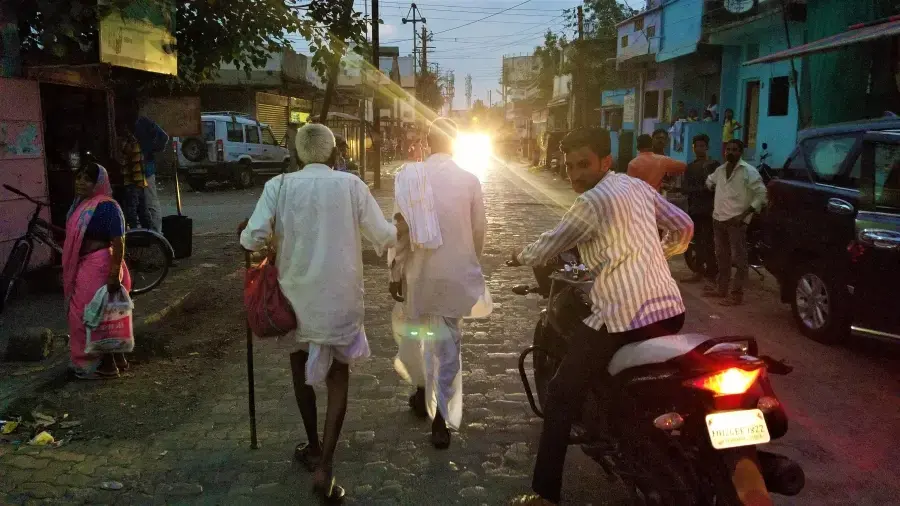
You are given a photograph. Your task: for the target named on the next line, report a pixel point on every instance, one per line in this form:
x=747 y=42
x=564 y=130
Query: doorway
x=751 y=115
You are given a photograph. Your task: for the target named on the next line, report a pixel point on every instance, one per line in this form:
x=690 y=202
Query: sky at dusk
x=477 y=48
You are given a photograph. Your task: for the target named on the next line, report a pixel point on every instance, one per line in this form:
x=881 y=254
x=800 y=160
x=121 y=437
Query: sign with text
x=628 y=108
x=140 y=37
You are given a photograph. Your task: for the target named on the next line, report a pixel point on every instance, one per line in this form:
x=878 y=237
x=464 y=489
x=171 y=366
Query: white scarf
x=414 y=197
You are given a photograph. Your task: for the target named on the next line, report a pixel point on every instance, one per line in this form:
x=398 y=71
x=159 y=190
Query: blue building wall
x=760 y=37
x=682 y=23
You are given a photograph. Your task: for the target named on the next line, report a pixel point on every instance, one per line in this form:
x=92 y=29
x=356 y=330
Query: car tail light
x=220 y=150
x=175 y=146
x=731 y=381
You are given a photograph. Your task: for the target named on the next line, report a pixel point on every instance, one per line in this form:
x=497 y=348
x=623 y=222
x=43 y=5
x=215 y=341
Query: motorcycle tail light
x=731 y=381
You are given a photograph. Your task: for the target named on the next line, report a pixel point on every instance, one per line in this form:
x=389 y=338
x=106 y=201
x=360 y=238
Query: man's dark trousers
x=588 y=354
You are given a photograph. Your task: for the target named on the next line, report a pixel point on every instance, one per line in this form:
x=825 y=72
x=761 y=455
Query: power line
x=482 y=19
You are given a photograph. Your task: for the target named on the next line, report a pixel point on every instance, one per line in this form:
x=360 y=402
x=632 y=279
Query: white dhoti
x=429 y=355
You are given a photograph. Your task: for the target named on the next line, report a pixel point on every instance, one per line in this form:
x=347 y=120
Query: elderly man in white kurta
x=436 y=277
x=320 y=216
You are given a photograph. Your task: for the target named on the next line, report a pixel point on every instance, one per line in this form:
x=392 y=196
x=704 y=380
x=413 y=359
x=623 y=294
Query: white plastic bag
x=110 y=329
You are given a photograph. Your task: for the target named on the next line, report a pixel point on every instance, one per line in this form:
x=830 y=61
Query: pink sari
x=83 y=276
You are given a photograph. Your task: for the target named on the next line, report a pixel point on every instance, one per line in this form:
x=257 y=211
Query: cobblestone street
x=385 y=456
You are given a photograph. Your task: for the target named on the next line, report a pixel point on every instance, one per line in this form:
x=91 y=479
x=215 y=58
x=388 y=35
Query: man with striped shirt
x=615 y=223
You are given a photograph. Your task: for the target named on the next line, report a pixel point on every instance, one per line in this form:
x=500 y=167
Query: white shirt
x=446 y=281
x=322 y=216
x=738 y=193
x=615 y=226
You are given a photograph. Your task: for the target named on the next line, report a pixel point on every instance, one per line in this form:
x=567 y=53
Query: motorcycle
x=686 y=413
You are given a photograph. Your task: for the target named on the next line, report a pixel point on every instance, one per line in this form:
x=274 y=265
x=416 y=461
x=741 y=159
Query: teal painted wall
x=779 y=132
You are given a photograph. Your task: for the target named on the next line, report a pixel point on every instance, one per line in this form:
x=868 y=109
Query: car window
x=235 y=132
x=795 y=167
x=208 y=131
x=825 y=157
x=268 y=138
x=252 y=133
x=887 y=175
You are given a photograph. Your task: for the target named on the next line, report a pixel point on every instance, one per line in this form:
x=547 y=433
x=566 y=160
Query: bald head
x=441 y=135
x=315 y=143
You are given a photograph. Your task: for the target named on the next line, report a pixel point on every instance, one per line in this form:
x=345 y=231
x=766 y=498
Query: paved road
x=843 y=401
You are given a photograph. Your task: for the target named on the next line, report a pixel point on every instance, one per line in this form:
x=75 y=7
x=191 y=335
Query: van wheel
x=820 y=304
x=245 y=176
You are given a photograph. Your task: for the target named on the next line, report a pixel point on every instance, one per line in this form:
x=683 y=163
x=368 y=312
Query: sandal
x=331 y=493
x=121 y=362
x=303 y=456
x=440 y=436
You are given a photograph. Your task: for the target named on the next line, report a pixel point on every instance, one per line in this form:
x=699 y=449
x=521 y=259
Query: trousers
x=587 y=355
x=731 y=250
x=137 y=215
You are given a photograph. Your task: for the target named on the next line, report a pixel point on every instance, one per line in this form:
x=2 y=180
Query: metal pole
x=251 y=392
x=581 y=82
x=376 y=108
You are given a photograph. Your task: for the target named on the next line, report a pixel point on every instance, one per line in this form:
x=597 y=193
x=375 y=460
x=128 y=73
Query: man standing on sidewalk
x=700 y=208
x=131 y=159
x=740 y=193
x=615 y=223
x=316 y=218
x=436 y=277
x=153 y=140
x=652 y=167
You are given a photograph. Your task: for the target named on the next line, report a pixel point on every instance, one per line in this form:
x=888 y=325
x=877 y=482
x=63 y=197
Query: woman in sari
x=92 y=257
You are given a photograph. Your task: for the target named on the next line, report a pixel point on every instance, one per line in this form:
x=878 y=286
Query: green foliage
x=428 y=92
x=208 y=32
x=550 y=55
x=602 y=16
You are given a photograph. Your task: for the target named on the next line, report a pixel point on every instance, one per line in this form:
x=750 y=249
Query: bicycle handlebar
x=19 y=193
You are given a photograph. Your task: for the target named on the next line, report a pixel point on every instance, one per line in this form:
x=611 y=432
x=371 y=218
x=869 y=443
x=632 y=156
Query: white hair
x=315 y=143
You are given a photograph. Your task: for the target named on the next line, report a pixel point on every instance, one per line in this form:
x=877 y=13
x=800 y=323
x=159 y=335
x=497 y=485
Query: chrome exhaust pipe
x=782 y=475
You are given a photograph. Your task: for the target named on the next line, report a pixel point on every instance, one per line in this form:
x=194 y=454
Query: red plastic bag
x=269 y=313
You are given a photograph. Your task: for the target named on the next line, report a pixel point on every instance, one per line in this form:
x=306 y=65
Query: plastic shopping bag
x=113 y=332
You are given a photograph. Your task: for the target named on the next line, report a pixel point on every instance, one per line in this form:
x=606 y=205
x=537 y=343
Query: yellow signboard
x=142 y=41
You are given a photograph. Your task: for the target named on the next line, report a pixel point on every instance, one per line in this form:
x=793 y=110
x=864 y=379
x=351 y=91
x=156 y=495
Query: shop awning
x=855 y=35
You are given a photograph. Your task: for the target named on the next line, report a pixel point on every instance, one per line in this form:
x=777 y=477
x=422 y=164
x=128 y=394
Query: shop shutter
x=275 y=116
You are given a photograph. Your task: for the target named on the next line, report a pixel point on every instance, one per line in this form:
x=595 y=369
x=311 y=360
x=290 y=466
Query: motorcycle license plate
x=730 y=429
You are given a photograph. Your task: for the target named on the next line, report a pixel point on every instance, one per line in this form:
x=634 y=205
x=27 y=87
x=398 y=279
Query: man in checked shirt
x=615 y=223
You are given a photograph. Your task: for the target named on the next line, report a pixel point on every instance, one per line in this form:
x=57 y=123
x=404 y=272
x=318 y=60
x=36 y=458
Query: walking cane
x=254 y=444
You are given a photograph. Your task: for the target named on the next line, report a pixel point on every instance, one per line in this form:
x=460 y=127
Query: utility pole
x=376 y=106
x=580 y=77
x=416 y=18
x=424 y=50
x=468 y=91
x=490 y=100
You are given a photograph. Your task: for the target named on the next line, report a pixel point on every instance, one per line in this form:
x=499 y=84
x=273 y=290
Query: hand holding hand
x=402 y=226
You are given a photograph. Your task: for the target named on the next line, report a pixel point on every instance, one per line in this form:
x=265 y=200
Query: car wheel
x=245 y=176
x=819 y=303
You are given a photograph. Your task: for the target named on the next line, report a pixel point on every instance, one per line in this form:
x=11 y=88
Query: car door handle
x=839 y=206
x=880 y=238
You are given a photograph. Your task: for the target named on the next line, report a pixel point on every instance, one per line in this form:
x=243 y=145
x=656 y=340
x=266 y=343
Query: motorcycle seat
x=654 y=351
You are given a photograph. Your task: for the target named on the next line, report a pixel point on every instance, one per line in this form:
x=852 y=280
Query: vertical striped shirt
x=616 y=227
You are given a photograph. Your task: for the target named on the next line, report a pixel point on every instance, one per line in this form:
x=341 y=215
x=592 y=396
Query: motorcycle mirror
x=765 y=145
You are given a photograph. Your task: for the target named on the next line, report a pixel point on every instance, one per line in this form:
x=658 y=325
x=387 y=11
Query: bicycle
x=148 y=255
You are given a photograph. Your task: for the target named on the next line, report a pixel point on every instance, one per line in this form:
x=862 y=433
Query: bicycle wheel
x=14 y=268
x=148 y=259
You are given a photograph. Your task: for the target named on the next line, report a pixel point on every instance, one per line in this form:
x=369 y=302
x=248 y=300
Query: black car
x=831 y=231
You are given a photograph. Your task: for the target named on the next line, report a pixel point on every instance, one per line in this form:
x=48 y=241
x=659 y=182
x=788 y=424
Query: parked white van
x=232 y=147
